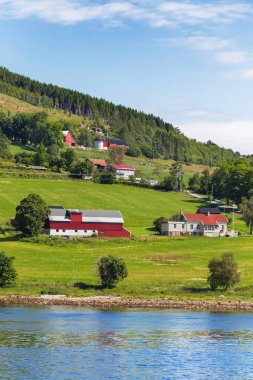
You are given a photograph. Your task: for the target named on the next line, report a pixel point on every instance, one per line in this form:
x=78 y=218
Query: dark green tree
x=194 y=182
x=223 y=272
x=107 y=178
x=4 y=146
x=7 y=271
x=111 y=270
x=246 y=208
x=70 y=157
x=31 y=215
x=158 y=222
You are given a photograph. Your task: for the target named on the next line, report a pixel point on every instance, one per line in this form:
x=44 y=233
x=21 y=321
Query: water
x=77 y=343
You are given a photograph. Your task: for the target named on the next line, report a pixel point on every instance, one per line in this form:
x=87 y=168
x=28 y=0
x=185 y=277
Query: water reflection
x=68 y=343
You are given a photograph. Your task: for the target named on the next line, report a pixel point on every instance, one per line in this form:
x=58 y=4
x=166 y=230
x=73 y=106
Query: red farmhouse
x=85 y=223
x=68 y=139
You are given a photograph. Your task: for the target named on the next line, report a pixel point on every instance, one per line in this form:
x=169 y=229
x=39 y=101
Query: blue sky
x=189 y=62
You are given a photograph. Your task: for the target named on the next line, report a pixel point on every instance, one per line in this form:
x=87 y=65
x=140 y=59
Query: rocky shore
x=110 y=302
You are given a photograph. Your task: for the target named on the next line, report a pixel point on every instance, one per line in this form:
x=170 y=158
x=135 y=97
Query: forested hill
x=145 y=133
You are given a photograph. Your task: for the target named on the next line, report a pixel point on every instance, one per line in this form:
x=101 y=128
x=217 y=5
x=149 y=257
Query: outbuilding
x=101 y=143
x=85 y=223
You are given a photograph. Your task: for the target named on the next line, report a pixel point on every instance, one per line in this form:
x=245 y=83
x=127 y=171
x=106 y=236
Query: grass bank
x=158 y=266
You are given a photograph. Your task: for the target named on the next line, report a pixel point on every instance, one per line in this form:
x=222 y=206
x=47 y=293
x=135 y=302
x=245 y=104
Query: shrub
x=7 y=271
x=111 y=270
x=223 y=272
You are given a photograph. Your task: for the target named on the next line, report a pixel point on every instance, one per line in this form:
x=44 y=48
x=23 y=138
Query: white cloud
x=205 y=42
x=231 y=56
x=157 y=13
x=235 y=134
x=248 y=74
x=195 y=13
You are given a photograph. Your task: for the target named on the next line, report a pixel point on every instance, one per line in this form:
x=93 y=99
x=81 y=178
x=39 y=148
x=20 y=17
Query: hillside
x=146 y=135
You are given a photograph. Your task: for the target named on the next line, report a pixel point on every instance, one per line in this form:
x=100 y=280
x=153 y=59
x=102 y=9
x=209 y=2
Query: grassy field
x=158 y=266
x=13 y=105
x=138 y=206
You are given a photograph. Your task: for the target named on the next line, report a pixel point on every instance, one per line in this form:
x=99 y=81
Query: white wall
x=99 y=145
x=73 y=233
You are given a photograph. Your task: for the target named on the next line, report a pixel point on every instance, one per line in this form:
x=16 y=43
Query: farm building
x=85 y=223
x=101 y=143
x=210 y=210
x=68 y=139
x=98 y=164
x=123 y=171
x=212 y=225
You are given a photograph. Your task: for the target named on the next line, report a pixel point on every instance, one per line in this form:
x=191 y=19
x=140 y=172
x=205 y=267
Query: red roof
x=209 y=220
x=124 y=167
x=98 y=162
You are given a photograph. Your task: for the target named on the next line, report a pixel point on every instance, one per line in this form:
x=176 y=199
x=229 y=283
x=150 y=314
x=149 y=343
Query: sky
x=189 y=62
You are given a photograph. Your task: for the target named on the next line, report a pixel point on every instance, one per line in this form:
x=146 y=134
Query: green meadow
x=139 y=207
x=157 y=266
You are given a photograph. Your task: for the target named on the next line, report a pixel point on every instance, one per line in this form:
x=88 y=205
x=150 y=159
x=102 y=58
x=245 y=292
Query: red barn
x=68 y=139
x=104 y=143
x=85 y=223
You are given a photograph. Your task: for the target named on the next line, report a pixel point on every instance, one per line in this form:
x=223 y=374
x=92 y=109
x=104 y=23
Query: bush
x=111 y=270
x=223 y=272
x=107 y=178
x=7 y=271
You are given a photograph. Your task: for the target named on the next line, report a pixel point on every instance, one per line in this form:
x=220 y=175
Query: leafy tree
x=85 y=138
x=205 y=181
x=111 y=270
x=107 y=178
x=223 y=272
x=4 y=146
x=158 y=222
x=7 y=271
x=116 y=155
x=31 y=215
x=194 y=182
x=41 y=157
x=169 y=182
x=69 y=156
x=54 y=151
x=82 y=167
x=246 y=208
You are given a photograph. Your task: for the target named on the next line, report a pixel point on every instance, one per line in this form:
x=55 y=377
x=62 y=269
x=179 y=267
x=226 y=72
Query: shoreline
x=112 y=302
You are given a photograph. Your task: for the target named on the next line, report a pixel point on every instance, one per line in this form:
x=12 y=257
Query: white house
x=213 y=225
x=123 y=171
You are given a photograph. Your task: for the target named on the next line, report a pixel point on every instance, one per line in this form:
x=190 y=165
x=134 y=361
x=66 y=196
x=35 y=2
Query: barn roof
x=98 y=162
x=205 y=219
x=210 y=210
x=111 y=141
x=59 y=213
x=65 y=133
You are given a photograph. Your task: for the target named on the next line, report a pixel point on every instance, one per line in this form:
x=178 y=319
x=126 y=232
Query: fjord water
x=78 y=343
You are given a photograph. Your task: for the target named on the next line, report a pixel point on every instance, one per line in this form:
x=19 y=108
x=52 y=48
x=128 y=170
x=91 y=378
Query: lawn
x=157 y=266
x=139 y=207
